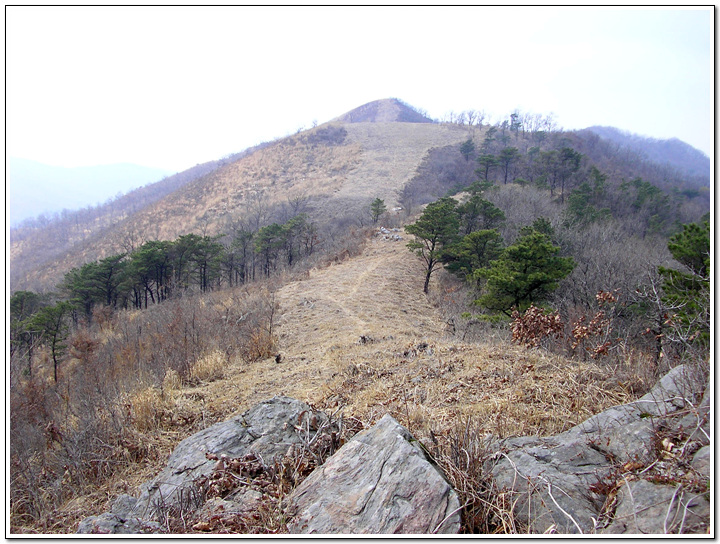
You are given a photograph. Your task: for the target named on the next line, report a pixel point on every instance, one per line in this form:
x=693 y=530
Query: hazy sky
x=171 y=87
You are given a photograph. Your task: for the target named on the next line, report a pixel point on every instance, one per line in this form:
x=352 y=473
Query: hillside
x=39 y=241
x=335 y=170
x=672 y=152
x=357 y=335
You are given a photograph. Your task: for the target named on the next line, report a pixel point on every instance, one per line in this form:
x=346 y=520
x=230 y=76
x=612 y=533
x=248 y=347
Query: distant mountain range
x=672 y=152
x=35 y=188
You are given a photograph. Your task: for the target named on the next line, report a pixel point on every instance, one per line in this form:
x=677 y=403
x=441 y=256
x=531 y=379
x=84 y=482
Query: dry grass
x=292 y=167
x=359 y=338
x=209 y=368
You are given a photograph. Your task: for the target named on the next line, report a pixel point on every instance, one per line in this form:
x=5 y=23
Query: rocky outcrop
x=267 y=430
x=569 y=483
x=381 y=482
x=639 y=468
x=648 y=508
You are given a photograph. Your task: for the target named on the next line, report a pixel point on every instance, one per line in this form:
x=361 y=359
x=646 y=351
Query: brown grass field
x=359 y=339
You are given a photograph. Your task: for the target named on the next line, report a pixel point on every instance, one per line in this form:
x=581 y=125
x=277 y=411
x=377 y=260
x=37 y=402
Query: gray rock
x=243 y=502
x=648 y=508
x=381 y=482
x=123 y=505
x=701 y=461
x=697 y=423
x=267 y=429
x=109 y=523
x=552 y=480
x=119 y=520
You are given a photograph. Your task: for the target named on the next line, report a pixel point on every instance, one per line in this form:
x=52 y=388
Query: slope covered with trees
x=684 y=158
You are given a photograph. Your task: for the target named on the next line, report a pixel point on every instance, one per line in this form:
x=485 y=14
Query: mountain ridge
x=331 y=171
x=54 y=188
x=671 y=151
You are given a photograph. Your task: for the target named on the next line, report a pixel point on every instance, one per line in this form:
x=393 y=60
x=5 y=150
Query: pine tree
x=467 y=148
x=525 y=273
x=436 y=228
x=377 y=208
x=687 y=292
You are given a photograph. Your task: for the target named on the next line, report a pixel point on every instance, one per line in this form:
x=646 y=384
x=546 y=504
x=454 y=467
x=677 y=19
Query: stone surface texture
x=381 y=482
x=557 y=482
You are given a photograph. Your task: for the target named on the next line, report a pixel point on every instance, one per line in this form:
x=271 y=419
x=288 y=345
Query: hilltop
x=333 y=170
x=389 y=110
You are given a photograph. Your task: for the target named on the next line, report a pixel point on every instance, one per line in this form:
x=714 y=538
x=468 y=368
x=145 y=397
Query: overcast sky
x=171 y=87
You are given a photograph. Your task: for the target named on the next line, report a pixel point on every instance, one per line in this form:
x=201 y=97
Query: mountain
x=671 y=152
x=334 y=170
x=389 y=110
x=383 y=149
x=35 y=188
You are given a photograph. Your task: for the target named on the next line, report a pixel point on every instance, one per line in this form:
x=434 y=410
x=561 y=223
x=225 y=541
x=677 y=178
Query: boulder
x=266 y=430
x=380 y=482
x=647 y=508
x=118 y=521
x=701 y=461
x=559 y=483
x=550 y=482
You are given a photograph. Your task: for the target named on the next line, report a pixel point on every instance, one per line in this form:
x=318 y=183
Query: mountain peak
x=387 y=110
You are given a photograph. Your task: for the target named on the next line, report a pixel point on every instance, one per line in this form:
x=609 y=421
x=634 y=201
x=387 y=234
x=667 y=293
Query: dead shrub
x=147 y=408
x=463 y=454
x=535 y=325
x=259 y=345
x=209 y=367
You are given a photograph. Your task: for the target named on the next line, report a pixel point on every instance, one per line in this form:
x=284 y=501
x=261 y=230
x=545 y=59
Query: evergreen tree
x=525 y=273
x=687 y=292
x=377 y=208
x=23 y=305
x=51 y=323
x=436 y=228
x=475 y=250
x=479 y=214
x=467 y=148
x=508 y=156
x=269 y=241
x=487 y=162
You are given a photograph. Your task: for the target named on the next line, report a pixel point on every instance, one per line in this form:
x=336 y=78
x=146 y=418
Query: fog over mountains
x=35 y=188
x=672 y=152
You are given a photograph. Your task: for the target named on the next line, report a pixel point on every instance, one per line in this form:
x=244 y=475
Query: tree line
x=154 y=272
x=515 y=281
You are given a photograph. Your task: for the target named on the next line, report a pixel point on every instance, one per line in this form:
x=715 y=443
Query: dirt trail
x=322 y=317
x=392 y=153
x=361 y=334
x=377 y=295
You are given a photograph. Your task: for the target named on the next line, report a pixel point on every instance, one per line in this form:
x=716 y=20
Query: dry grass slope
x=358 y=338
x=341 y=176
